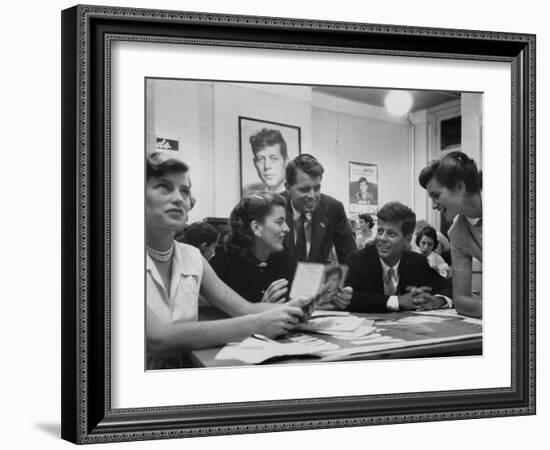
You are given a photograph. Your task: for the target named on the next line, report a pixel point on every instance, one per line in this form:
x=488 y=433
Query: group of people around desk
x=271 y=232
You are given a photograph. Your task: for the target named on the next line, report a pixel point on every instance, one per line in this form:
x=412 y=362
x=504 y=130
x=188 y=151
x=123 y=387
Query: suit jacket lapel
x=404 y=271
x=289 y=241
x=319 y=222
x=373 y=261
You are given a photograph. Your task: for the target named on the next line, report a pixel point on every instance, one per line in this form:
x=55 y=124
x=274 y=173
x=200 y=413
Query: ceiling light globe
x=398 y=103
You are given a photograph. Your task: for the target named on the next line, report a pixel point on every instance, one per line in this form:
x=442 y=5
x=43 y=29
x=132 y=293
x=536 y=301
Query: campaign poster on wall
x=363 y=188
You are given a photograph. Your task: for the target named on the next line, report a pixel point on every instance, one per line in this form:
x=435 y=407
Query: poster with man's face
x=265 y=149
x=363 y=188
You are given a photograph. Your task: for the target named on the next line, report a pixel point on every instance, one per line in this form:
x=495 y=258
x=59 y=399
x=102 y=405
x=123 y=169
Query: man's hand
x=420 y=299
x=335 y=300
x=408 y=302
x=430 y=302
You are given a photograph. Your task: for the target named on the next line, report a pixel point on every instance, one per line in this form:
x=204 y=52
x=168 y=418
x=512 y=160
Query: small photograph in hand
x=334 y=277
x=308 y=280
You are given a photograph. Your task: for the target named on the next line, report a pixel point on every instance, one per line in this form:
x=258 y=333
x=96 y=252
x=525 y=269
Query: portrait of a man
x=363 y=188
x=270 y=157
x=268 y=146
x=367 y=192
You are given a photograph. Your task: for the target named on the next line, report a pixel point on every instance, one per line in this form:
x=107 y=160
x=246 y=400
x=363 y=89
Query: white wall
x=203 y=116
x=472 y=121
x=30 y=388
x=341 y=137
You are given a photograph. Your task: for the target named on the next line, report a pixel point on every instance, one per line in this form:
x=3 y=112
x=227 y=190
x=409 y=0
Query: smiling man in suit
x=316 y=221
x=386 y=277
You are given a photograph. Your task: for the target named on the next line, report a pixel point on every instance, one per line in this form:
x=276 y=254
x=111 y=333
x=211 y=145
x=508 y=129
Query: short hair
x=368 y=219
x=253 y=206
x=198 y=233
x=394 y=212
x=266 y=138
x=451 y=169
x=363 y=179
x=307 y=164
x=427 y=231
x=159 y=164
x=334 y=270
x=421 y=223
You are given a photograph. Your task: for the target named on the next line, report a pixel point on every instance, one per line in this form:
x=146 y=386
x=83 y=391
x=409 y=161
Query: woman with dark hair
x=255 y=264
x=201 y=235
x=364 y=233
x=426 y=242
x=176 y=274
x=454 y=185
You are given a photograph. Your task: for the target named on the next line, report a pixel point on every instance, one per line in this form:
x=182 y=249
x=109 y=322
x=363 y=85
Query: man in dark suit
x=386 y=277
x=316 y=221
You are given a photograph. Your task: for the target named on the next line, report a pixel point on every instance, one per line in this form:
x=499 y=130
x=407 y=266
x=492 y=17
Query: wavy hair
x=254 y=206
x=394 y=212
x=307 y=164
x=450 y=170
x=368 y=219
x=266 y=138
x=159 y=164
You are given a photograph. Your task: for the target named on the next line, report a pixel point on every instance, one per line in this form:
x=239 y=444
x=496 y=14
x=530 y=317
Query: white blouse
x=181 y=304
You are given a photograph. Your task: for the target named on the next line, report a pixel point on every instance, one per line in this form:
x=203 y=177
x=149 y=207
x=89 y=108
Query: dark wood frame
x=87 y=32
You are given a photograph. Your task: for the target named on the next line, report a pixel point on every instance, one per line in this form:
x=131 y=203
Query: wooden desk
x=452 y=337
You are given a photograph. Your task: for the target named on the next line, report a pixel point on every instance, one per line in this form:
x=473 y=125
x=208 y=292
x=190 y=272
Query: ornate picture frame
x=88 y=34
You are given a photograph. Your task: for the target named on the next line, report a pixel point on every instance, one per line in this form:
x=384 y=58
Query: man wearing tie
x=387 y=277
x=317 y=221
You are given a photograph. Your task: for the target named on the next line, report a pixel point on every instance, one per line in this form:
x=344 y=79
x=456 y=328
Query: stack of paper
x=339 y=326
x=257 y=349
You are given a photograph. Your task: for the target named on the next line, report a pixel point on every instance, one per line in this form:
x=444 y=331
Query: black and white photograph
x=231 y=295
x=265 y=148
x=289 y=221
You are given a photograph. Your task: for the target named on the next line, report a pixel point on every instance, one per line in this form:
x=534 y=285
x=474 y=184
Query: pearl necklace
x=159 y=256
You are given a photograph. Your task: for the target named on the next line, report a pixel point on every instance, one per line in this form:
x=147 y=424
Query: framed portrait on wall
x=265 y=148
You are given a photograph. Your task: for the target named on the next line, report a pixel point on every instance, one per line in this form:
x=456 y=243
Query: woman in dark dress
x=255 y=263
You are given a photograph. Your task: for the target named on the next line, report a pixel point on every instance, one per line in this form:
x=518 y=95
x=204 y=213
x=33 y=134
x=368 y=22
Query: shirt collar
x=385 y=267
x=296 y=214
x=473 y=221
x=182 y=262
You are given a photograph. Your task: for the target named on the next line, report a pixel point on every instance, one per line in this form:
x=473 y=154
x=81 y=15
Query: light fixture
x=398 y=103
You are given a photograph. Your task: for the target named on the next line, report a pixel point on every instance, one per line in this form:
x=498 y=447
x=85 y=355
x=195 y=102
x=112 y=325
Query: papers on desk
x=257 y=349
x=414 y=320
x=381 y=344
x=449 y=313
x=341 y=326
x=325 y=313
x=332 y=323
